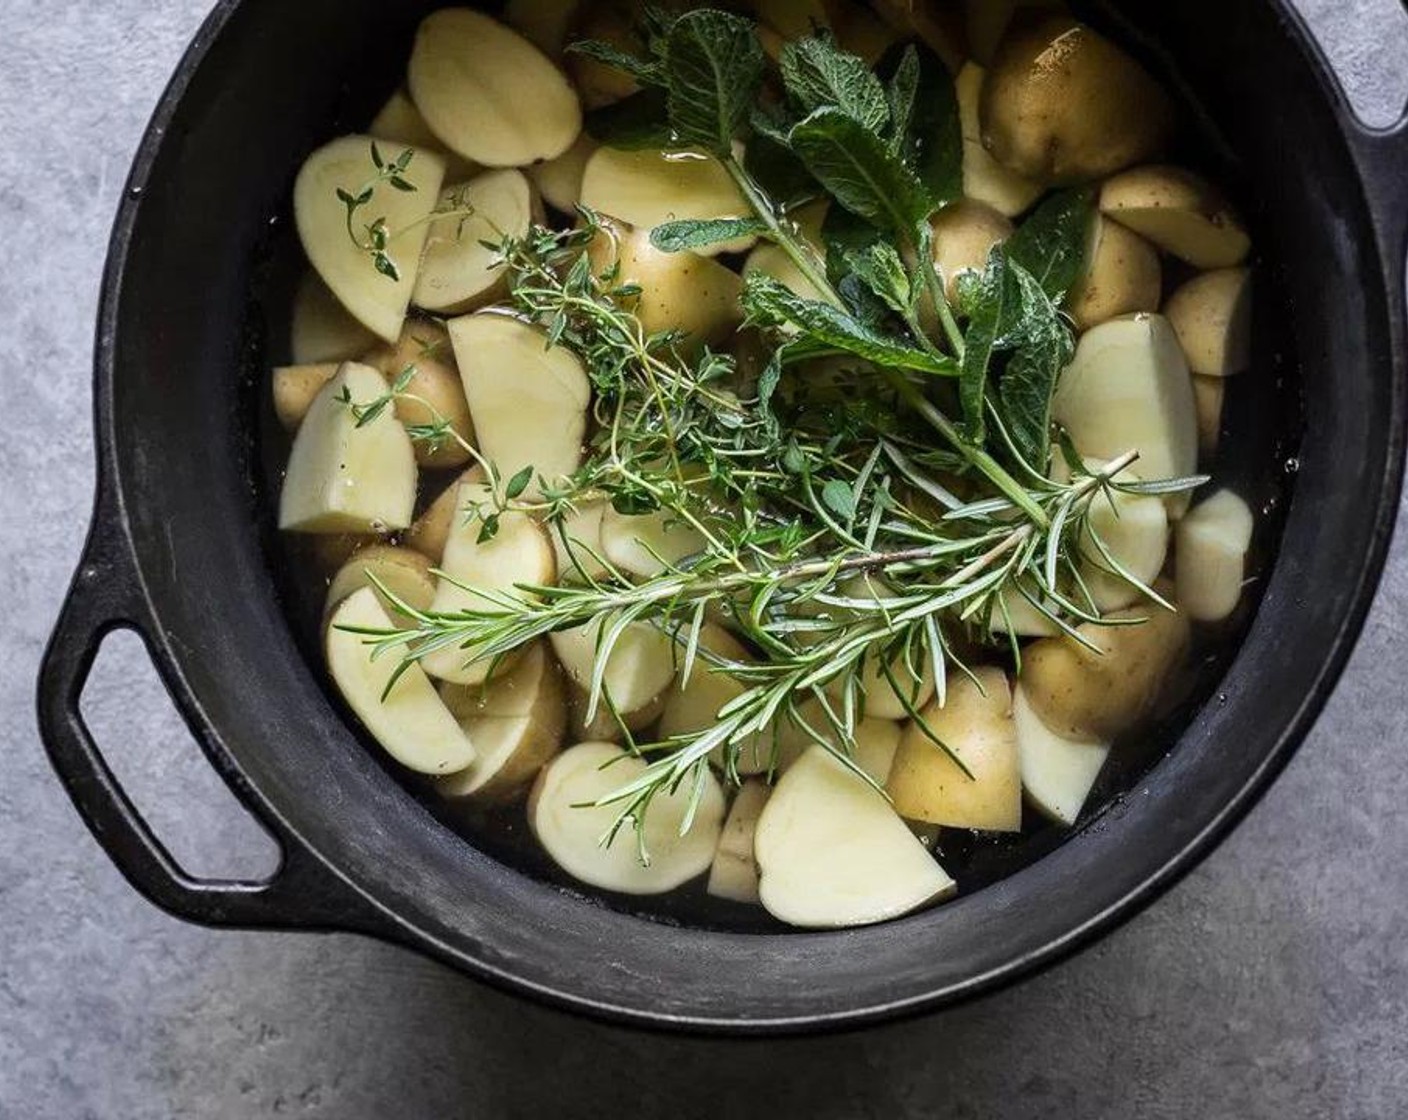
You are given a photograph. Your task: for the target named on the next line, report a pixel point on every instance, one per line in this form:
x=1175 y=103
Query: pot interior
x=207 y=271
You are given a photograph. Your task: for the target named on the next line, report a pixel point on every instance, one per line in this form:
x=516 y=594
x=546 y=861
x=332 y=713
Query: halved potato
x=346 y=477
x=1128 y=389
x=647 y=544
x=559 y=180
x=1124 y=276
x=1057 y=773
x=411 y=723
x=641 y=666
x=529 y=400
x=1180 y=212
x=376 y=301
x=564 y=818
x=984 y=179
x=975 y=723
x=576 y=539
x=544 y=23
x=322 y=330
x=402 y=571
x=648 y=188
x=1208 y=396
x=1212 y=316
x=430 y=532
x=400 y=122
x=1134 y=530
x=694 y=707
x=1212 y=556
x=473 y=570
x=832 y=853
x=296 y=388
x=516 y=720
x=678 y=291
x=459 y=272
x=874 y=741
x=1093 y=696
x=734 y=872
x=434 y=391
x=488 y=93
x=965 y=232
x=604 y=726
x=1063 y=104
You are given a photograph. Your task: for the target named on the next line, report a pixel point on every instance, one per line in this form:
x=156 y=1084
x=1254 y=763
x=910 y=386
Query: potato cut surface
x=458 y=271
x=734 y=872
x=1057 y=774
x=1212 y=556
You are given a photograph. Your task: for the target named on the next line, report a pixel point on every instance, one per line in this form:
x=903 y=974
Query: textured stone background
x=1272 y=983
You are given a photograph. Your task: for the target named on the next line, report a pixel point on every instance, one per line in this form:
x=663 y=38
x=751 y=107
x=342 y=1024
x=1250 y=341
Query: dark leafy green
x=928 y=134
x=818 y=74
x=882 y=270
x=860 y=171
x=714 y=68
x=675 y=237
x=1054 y=242
x=639 y=121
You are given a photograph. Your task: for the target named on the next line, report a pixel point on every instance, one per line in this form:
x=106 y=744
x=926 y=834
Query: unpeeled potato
x=1063 y=104
x=1124 y=276
x=1180 y=212
x=965 y=232
x=432 y=392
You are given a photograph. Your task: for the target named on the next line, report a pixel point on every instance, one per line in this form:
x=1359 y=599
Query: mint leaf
x=880 y=267
x=1029 y=381
x=1054 y=243
x=844 y=233
x=931 y=138
x=676 y=237
x=769 y=303
x=992 y=303
x=714 y=68
x=902 y=93
x=838 y=498
x=639 y=121
x=817 y=74
x=859 y=170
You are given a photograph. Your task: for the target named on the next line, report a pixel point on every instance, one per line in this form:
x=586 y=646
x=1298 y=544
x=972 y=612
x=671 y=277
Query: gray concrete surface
x=1272 y=983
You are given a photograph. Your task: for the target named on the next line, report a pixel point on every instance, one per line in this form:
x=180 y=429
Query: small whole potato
x=1063 y=104
x=965 y=232
x=1094 y=697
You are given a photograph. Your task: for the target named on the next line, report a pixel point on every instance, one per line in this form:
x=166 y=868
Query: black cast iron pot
x=183 y=549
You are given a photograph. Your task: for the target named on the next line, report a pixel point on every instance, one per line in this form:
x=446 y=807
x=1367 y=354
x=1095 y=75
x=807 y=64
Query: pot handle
x=302 y=893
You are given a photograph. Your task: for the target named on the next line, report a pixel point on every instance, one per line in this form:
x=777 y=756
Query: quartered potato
x=1208 y=396
x=965 y=232
x=648 y=188
x=559 y=180
x=322 y=330
x=410 y=722
x=430 y=532
x=638 y=672
x=296 y=388
x=678 y=291
x=647 y=544
x=402 y=572
x=872 y=746
x=346 y=477
x=576 y=539
x=1212 y=316
x=1133 y=530
x=475 y=570
x=1063 y=104
x=1180 y=212
x=570 y=829
x=975 y=724
x=1057 y=773
x=1128 y=389
x=459 y=271
x=1212 y=556
x=984 y=179
x=694 y=706
x=1124 y=276
x=529 y=400
x=433 y=392
x=734 y=872
x=832 y=852
x=376 y=301
x=1091 y=696
x=516 y=720
x=489 y=94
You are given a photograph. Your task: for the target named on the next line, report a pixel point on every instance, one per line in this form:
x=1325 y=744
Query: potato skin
x=965 y=232
x=1083 y=695
x=1125 y=276
x=1063 y=104
x=437 y=383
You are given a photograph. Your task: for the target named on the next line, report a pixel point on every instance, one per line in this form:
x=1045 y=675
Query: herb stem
x=798 y=253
